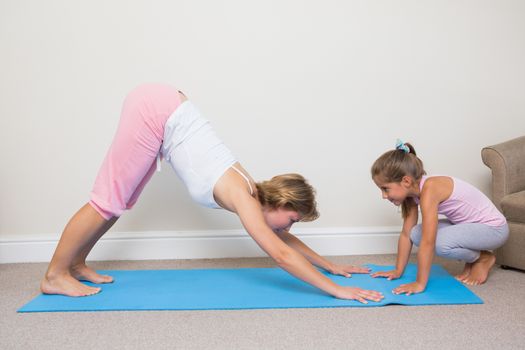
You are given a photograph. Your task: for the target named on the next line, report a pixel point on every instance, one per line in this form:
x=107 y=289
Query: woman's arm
x=231 y=193
x=250 y=213
x=319 y=261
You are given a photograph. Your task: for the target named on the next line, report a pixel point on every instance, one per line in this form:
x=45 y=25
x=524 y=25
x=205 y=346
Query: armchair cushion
x=513 y=206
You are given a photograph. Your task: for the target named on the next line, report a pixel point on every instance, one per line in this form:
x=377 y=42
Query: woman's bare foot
x=84 y=273
x=465 y=273
x=66 y=285
x=480 y=269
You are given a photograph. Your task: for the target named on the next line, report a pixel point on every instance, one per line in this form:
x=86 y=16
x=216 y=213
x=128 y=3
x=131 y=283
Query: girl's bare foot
x=84 y=273
x=66 y=285
x=480 y=269
x=465 y=273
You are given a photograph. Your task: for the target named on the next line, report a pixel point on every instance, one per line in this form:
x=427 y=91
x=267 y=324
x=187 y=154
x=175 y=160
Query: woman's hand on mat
x=347 y=270
x=389 y=275
x=409 y=288
x=361 y=295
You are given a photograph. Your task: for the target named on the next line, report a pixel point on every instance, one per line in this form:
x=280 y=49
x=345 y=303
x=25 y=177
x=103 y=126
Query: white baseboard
x=203 y=244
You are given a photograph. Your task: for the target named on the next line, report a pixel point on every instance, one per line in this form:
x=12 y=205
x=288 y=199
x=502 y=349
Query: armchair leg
x=506 y=267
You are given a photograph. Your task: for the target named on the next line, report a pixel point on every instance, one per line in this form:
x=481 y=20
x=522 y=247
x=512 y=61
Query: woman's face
x=280 y=219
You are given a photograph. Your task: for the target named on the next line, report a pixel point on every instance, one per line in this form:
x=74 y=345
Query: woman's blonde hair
x=393 y=165
x=289 y=191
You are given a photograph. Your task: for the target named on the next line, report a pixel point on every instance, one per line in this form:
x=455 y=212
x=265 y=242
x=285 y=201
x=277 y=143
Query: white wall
x=316 y=87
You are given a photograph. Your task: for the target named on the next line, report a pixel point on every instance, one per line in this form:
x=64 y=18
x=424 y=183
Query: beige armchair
x=507 y=162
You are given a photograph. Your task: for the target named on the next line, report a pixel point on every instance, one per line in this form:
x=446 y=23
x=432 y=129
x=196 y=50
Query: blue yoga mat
x=248 y=288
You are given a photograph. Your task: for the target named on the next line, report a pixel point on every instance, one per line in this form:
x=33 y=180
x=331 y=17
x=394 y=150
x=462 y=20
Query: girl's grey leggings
x=464 y=241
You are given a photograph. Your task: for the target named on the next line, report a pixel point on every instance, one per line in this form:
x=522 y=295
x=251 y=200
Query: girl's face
x=395 y=192
x=280 y=219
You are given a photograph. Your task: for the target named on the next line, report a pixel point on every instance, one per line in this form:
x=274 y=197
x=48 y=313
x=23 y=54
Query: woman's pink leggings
x=130 y=161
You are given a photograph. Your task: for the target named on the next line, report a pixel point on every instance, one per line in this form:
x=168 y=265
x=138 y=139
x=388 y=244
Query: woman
x=158 y=120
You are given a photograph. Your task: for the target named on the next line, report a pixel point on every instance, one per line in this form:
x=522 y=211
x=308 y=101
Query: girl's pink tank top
x=467 y=204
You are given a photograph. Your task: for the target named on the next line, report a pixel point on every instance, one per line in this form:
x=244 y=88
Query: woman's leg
x=128 y=166
x=78 y=235
x=80 y=270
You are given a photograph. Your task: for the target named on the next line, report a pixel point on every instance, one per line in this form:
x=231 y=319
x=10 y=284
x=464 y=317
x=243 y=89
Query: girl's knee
x=442 y=251
x=450 y=250
x=415 y=235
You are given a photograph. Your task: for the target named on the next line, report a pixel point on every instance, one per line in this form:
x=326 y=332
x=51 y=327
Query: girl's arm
x=429 y=213
x=434 y=192
x=404 y=246
x=317 y=260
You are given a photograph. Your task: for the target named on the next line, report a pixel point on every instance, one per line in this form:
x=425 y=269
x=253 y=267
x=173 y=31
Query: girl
x=473 y=227
x=159 y=120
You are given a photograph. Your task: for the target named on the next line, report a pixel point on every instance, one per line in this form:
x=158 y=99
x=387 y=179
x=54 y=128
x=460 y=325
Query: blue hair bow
x=401 y=145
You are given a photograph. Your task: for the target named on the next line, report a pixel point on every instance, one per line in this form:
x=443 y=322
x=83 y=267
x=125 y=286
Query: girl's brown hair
x=393 y=165
x=289 y=191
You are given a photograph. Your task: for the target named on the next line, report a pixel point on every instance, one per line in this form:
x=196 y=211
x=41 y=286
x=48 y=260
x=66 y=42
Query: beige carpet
x=497 y=324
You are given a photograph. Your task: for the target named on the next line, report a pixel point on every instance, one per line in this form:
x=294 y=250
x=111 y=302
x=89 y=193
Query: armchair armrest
x=507 y=162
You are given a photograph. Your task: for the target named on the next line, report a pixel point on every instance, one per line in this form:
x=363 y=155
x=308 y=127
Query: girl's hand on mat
x=347 y=270
x=361 y=295
x=409 y=288
x=389 y=275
